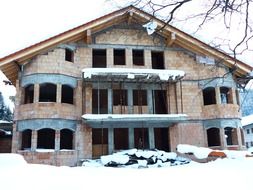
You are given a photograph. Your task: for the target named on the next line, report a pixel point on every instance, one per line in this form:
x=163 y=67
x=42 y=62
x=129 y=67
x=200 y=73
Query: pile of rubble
x=138 y=159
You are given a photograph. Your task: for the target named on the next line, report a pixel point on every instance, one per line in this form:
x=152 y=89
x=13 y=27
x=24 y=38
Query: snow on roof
x=247 y=120
x=164 y=75
x=129 y=116
x=3 y=121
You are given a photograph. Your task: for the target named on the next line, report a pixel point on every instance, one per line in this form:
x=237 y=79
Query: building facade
x=107 y=86
x=247 y=125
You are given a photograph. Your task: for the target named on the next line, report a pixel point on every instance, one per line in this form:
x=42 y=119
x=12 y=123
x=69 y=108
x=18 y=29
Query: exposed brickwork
x=53 y=62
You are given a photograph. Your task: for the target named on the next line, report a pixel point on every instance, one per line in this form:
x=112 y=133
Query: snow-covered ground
x=232 y=174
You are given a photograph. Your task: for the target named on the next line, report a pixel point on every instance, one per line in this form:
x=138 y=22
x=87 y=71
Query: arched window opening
x=26 y=139
x=213 y=137
x=209 y=97
x=231 y=136
x=46 y=138
x=47 y=92
x=67 y=93
x=29 y=94
x=69 y=55
x=226 y=95
x=66 y=139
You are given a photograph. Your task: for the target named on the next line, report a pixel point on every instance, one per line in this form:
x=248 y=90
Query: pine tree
x=5 y=112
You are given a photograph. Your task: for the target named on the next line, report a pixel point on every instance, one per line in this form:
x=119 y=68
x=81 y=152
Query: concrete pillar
x=110 y=101
x=109 y=57
x=88 y=98
x=150 y=101
x=110 y=140
x=234 y=96
x=57 y=140
x=239 y=138
x=147 y=59
x=223 y=141
x=151 y=137
x=78 y=97
x=58 y=93
x=36 y=93
x=129 y=58
x=130 y=106
x=217 y=95
x=130 y=137
x=34 y=140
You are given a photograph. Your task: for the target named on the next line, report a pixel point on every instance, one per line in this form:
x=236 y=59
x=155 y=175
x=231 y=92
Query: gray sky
x=25 y=22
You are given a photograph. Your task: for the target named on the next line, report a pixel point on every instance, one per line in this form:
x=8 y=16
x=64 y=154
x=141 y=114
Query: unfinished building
x=107 y=86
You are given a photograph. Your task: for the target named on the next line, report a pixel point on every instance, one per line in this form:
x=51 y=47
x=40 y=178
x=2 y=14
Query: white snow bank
x=247 y=120
x=250 y=149
x=164 y=75
x=136 y=116
x=3 y=121
x=11 y=160
x=235 y=154
x=199 y=152
x=118 y=158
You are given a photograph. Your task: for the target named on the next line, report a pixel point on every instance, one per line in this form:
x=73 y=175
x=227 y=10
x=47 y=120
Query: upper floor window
x=119 y=57
x=99 y=101
x=29 y=94
x=120 y=97
x=138 y=57
x=157 y=58
x=69 y=55
x=209 y=96
x=99 y=58
x=47 y=92
x=140 y=98
x=67 y=94
x=26 y=139
x=248 y=131
x=226 y=95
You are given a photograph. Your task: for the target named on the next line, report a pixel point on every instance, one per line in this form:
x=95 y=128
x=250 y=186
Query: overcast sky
x=25 y=22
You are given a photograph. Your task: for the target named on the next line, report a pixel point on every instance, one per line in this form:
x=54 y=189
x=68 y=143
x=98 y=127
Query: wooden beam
x=130 y=17
x=171 y=39
x=87 y=37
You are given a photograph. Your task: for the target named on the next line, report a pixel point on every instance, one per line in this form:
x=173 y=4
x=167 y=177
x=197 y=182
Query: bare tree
x=235 y=16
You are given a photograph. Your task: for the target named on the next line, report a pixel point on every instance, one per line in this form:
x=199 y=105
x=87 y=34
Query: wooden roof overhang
x=10 y=64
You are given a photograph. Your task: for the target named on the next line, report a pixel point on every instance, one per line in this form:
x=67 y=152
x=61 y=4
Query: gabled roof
x=11 y=63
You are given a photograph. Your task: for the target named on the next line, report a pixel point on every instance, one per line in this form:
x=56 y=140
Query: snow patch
x=199 y=152
x=247 y=120
x=11 y=160
x=164 y=75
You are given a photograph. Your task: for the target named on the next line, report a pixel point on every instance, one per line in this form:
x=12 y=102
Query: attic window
x=157 y=60
x=99 y=58
x=138 y=57
x=69 y=55
x=119 y=57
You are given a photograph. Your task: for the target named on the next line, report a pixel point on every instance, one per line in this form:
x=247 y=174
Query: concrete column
x=78 y=95
x=129 y=58
x=110 y=102
x=147 y=59
x=109 y=57
x=223 y=141
x=151 y=137
x=34 y=140
x=130 y=106
x=110 y=140
x=36 y=93
x=217 y=95
x=239 y=137
x=234 y=96
x=58 y=93
x=88 y=99
x=57 y=140
x=130 y=137
x=150 y=101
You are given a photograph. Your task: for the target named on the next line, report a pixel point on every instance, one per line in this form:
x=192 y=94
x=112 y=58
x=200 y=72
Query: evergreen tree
x=5 y=112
